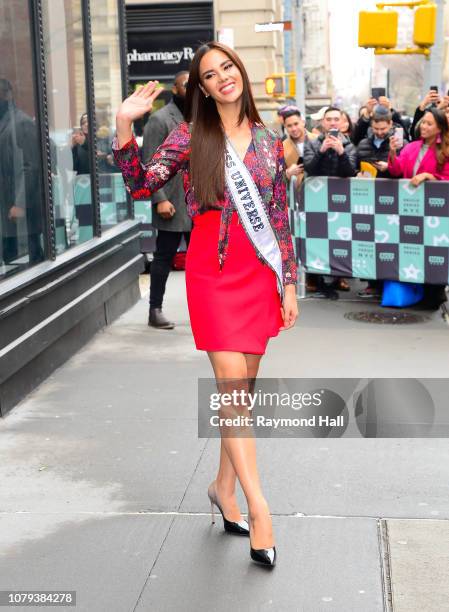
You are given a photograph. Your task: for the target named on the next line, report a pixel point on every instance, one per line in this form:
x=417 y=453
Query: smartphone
x=334 y=132
x=300 y=161
x=377 y=92
x=399 y=135
x=434 y=88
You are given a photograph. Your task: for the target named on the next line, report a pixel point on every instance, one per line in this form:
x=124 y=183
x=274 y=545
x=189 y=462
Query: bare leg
x=226 y=477
x=241 y=452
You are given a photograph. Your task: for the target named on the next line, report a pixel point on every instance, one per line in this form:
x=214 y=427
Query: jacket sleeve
x=312 y=156
x=360 y=130
x=396 y=166
x=397 y=119
x=347 y=162
x=364 y=152
x=154 y=134
x=419 y=114
x=279 y=214
x=141 y=180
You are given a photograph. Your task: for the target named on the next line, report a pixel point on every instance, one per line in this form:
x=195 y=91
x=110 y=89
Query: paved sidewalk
x=104 y=480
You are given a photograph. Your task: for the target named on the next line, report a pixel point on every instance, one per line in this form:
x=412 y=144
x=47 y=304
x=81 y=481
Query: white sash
x=250 y=208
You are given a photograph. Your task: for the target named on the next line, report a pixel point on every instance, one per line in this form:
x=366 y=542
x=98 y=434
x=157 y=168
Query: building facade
x=69 y=245
x=316 y=54
x=185 y=24
x=162 y=39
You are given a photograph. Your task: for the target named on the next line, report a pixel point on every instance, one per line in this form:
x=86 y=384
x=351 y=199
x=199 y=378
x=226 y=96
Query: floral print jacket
x=264 y=160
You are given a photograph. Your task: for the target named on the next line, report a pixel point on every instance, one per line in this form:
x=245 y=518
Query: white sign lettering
x=167 y=57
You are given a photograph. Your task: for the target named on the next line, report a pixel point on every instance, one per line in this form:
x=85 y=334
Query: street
x=104 y=479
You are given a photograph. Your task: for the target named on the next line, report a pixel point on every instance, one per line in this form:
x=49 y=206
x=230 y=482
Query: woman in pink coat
x=426 y=159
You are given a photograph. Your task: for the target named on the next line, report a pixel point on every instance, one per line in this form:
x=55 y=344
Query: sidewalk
x=104 y=480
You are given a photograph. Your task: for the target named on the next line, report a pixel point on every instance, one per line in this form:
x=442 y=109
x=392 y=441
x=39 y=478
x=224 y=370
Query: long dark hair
x=442 y=148
x=208 y=145
x=350 y=124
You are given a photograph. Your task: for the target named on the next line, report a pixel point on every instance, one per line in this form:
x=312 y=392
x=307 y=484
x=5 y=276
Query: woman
x=431 y=99
x=232 y=296
x=80 y=147
x=426 y=159
x=346 y=125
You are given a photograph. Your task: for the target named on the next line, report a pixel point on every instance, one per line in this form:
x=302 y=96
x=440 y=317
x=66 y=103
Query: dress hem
x=235 y=350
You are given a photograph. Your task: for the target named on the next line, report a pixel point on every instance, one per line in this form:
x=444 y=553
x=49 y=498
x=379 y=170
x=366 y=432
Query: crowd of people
x=382 y=143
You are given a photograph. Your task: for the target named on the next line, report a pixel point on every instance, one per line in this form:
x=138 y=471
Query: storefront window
x=21 y=194
x=68 y=122
x=108 y=95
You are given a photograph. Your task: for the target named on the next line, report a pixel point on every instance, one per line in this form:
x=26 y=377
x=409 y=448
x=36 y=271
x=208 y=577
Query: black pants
x=167 y=244
x=10 y=245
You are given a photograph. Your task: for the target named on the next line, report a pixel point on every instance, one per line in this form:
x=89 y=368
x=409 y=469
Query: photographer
x=332 y=153
x=367 y=111
x=375 y=148
x=431 y=100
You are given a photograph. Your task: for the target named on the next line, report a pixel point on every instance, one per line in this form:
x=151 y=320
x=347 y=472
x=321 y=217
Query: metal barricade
x=301 y=273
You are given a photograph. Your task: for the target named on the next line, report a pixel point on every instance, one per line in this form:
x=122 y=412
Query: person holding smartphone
x=376 y=105
x=331 y=154
x=375 y=148
x=426 y=159
x=431 y=99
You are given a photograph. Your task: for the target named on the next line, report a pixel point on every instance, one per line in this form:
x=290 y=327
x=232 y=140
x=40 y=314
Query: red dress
x=236 y=308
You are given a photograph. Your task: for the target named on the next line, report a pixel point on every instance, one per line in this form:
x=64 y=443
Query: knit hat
x=290 y=108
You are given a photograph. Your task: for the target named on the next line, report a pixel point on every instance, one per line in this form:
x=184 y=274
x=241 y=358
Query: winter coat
x=368 y=152
x=403 y=164
x=362 y=126
x=329 y=163
x=157 y=128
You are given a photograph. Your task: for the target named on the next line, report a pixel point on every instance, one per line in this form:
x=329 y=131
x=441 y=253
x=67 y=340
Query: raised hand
x=384 y=101
x=336 y=144
x=139 y=102
x=371 y=103
x=432 y=97
x=444 y=102
x=394 y=145
x=135 y=106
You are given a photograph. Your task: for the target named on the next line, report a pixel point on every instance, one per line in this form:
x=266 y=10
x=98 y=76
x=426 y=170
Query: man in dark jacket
x=372 y=107
x=169 y=208
x=21 y=202
x=331 y=154
x=375 y=148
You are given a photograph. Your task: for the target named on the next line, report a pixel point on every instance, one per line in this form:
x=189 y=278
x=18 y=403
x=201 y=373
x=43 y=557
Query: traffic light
x=378 y=29
x=274 y=85
x=425 y=25
x=292 y=86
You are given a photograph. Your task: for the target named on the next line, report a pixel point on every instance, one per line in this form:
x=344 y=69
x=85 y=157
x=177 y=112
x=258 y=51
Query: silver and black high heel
x=263 y=556
x=235 y=527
